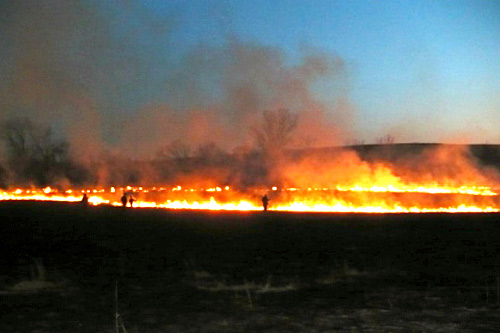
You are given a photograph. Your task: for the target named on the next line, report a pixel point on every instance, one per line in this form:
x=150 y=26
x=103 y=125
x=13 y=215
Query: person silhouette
x=131 y=200
x=265 y=202
x=124 y=200
x=85 y=199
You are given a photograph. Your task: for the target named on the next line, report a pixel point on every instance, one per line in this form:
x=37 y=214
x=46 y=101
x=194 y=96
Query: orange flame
x=439 y=180
x=355 y=199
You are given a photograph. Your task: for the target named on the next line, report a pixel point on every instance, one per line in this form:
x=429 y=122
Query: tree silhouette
x=275 y=132
x=272 y=138
x=386 y=140
x=34 y=154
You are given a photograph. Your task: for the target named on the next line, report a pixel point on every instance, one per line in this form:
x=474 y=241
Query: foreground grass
x=224 y=272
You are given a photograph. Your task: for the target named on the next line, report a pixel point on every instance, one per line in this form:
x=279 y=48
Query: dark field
x=187 y=271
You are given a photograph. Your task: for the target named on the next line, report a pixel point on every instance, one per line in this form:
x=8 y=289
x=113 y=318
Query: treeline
x=36 y=156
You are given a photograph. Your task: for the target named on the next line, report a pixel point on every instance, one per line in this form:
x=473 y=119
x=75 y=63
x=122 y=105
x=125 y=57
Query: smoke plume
x=113 y=86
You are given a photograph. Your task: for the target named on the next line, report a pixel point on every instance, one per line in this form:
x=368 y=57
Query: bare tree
x=386 y=140
x=355 y=142
x=272 y=138
x=176 y=156
x=275 y=132
x=176 y=150
x=18 y=134
x=34 y=153
x=209 y=154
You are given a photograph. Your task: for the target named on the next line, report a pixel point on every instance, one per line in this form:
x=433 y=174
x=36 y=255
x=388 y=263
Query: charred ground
x=221 y=271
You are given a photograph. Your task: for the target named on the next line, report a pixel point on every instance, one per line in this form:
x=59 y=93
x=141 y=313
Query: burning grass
x=390 y=199
x=437 y=179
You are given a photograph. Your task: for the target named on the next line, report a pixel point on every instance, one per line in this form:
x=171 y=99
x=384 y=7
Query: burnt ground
x=189 y=271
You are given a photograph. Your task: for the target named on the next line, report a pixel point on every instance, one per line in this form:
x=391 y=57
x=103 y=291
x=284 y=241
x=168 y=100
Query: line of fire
x=377 y=199
x=390 y=178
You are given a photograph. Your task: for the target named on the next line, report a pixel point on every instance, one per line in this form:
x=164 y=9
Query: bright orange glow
x=356 y=199
x=442 y=179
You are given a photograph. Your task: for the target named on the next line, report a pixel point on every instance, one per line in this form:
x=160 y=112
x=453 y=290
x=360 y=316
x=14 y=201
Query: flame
x=439 y=180
x=348 y=199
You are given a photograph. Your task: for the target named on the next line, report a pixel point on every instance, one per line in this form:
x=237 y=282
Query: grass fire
x=342 y=182
x=249 y=166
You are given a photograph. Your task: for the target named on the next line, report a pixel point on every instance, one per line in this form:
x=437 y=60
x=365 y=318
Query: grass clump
x=38 y=281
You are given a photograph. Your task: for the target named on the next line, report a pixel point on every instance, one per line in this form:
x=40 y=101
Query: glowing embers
x=383 y=208
x=48 y=194
x=211 y=204
x=432 y=189
x=356 y=199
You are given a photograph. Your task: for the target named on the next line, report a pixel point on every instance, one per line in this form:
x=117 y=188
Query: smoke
x=109 y=82
x=36 y=156
x=435 y=165
x=108 y=77
x=50 y=52
x=450 y=164
x=218 y=93
x=66 y=66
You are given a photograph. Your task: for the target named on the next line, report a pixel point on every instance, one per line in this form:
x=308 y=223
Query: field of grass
x=65 y=268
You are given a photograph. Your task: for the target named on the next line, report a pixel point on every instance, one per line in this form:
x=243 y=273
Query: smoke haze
x=110 y=80
x=106 y=85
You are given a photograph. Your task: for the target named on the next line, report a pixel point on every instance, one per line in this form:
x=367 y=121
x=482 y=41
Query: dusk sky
x=137 y=74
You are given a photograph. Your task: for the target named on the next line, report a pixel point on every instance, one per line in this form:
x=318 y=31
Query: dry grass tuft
x=37 y=283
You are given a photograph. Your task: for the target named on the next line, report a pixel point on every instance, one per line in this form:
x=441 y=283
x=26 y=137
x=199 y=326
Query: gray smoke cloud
x=64 y=65
x=219 y=92
x=106 y=76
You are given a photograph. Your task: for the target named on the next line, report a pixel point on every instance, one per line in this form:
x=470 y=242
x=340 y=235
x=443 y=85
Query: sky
x=132 y=76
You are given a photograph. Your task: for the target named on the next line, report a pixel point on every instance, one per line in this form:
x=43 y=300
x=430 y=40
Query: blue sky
x=422 y=71
x=433 y=62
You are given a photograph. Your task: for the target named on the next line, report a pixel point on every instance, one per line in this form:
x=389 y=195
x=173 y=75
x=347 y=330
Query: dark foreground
x=184 y=271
